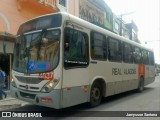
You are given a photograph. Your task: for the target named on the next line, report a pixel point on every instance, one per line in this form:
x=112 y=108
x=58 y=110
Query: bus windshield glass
x=37 y=52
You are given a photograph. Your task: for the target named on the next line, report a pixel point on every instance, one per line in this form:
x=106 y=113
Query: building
x=133 y=30
x=127 y=30
x=119 y=27
x=96 y=12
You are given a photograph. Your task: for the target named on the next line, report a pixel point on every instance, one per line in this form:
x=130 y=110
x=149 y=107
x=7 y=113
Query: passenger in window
x=66 y=53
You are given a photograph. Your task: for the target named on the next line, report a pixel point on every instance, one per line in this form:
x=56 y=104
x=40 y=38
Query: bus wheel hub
x=96 y=93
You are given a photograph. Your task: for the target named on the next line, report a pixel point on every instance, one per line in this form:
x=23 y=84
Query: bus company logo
x=47 y=76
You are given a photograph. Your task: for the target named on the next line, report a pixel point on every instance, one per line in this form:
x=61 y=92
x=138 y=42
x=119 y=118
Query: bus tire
x=141 y=85
x=95 y=94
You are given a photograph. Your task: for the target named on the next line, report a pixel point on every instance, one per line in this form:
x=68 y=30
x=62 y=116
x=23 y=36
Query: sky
x=146 y=15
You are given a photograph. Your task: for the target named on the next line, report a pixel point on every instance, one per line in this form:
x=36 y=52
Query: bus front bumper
x=51 y=99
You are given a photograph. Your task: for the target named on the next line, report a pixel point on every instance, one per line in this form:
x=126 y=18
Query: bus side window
x=145 y=57
x=114 y=50
x=75 y=48
x=151 y=58
x=98 y=46
x=127 y=53
x=137 y=56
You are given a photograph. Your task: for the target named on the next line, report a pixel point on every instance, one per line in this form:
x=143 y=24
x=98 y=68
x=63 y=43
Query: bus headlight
x=13 y=83
x=49 y=86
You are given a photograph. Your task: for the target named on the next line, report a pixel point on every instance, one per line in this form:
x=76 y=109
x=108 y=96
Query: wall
x=8 y=8
x=31 y=8
x=89 y=12
x=18 y=11
x=73 y=7
x=15 y=12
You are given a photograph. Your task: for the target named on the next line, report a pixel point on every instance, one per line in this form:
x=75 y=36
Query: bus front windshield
x=37 y=52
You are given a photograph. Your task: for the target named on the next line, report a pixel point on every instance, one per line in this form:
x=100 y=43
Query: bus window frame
x=123 y=47
x=28 y=33
x=145 y=62
x=120 y=47
x=150 y=63
x=105 y=47
x=135 y=62
x=87 y=40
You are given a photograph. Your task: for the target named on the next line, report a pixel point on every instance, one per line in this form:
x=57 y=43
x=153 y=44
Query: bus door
x=75 y=71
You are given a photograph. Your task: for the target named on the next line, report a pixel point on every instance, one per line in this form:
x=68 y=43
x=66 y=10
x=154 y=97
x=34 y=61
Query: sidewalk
x=10 y=102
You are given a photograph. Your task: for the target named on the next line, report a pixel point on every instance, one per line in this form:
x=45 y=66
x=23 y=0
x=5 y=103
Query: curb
x=8 y=96
x=7 y=107
x=7 y=99
x=11 y=103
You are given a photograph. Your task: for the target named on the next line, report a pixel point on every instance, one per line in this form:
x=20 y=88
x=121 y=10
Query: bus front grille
x=28 y=80
x=28 y=87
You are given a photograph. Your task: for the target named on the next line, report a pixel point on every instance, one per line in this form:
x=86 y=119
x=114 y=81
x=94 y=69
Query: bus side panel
x=150 y=74
x=130 y=77
x=112 y=74
x=146 y=77
x=115 y=78
x=75 y=86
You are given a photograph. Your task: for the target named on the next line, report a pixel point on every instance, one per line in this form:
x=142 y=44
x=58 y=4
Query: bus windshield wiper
x=44 y=31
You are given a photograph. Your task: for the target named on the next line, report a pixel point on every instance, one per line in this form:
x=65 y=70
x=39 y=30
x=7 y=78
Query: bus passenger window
x=114 y=50
x=137 y=55
x=145 y=57
x=98 y=46
x=151 y=58
x=75 y=48
x=127 y=53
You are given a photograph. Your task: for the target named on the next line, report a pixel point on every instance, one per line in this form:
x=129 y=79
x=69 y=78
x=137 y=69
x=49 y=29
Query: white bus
x=61 y=60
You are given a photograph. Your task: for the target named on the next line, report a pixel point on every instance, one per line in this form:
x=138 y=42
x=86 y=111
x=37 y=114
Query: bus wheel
x=95 y=94
x=141 y=85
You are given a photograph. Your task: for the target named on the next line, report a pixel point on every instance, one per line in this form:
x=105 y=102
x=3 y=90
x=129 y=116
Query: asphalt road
x=148 y=100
